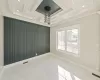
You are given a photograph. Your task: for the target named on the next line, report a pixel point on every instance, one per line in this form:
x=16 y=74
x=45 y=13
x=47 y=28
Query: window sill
x=69 y=53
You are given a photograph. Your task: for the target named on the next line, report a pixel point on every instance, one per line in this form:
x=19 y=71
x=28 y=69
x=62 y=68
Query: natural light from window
x=68 y=40
x=72 y=41
x=65 y=75
x=61 y=40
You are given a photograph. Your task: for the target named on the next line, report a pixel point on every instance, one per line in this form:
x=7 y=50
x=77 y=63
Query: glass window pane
x=61 y=40
x=72 y=40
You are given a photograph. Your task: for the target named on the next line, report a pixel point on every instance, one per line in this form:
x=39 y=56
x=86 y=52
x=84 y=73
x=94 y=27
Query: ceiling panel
x=51 y=3
x=70 y=8
x=64 y=4
x=23 y=5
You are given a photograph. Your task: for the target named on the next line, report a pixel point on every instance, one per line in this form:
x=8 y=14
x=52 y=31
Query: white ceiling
x=71 y=9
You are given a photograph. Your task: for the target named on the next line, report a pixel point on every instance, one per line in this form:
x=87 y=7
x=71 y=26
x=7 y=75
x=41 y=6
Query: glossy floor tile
x=48 y=68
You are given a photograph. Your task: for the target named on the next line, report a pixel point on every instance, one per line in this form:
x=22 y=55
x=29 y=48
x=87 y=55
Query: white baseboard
x=29 y=59
x=80 y=65
x=2 y=68
x=1 y=71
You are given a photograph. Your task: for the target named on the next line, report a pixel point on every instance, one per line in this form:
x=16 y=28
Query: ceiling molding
x=74 y=18
x=72 y=9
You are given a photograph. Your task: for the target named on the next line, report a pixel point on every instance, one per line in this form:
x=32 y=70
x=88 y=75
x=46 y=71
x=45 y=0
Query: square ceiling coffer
x=47 y=8
x=50 y=4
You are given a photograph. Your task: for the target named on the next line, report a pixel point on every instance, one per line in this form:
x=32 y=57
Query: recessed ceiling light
x=17 y=10
x=83 y=6
x=18 y=0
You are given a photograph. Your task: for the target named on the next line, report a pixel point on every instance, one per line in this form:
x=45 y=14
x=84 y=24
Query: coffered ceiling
x=70 y=9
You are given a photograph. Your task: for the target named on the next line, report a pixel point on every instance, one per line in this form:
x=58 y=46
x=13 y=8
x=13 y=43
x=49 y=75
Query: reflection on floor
x=46 y=68
x=66 y=75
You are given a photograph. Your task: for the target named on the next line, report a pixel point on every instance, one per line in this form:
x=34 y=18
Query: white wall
x=1 y=41
x=1 y=37
x=89 y=41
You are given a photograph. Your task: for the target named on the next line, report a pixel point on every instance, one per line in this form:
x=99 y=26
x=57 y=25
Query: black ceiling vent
x=48 y=5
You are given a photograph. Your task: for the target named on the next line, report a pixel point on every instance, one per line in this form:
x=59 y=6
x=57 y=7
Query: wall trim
x=2 y=68
x=1 y=71
x=73 y=19
x=30 y=59
x=80 y=65
x=25 y=19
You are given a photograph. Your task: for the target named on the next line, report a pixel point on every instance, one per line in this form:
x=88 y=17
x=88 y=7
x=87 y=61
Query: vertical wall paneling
x=22 y=40
x=43 y=40
x=30 y=40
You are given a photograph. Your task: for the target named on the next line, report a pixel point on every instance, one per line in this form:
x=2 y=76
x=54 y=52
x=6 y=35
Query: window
x=72 y=41
x=61 y=40
x=68 y=40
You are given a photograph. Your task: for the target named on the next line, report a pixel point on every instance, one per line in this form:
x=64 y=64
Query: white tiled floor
x=48 y=68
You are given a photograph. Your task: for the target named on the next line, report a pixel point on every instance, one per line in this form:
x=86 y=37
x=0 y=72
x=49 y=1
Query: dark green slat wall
x=22 y=40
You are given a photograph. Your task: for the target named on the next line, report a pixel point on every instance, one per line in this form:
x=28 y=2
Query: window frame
x=77 y=26
x=57 y=39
